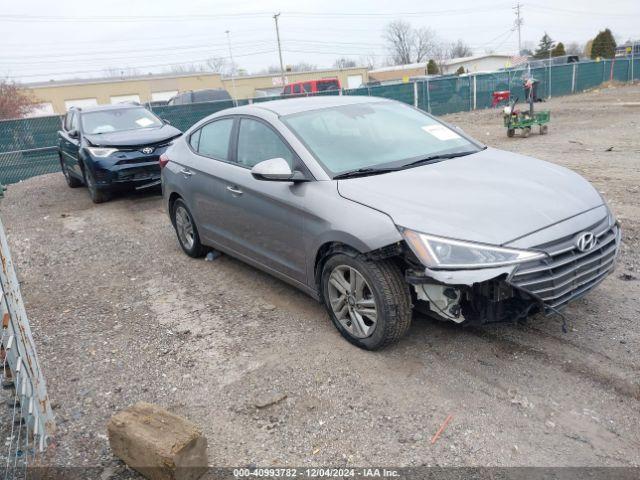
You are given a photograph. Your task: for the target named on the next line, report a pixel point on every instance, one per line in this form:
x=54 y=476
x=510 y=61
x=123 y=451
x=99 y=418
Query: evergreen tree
x=460 y=70
x=558 y=50
x=544 y=47
x=604 y=45
x=432 y=68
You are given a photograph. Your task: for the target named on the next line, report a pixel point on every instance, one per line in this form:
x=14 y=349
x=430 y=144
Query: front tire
x=368 y=302
x=72 y=181
x=186 y=230
x=98 y=195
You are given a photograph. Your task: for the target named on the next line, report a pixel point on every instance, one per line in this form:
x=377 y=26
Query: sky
x=42 y=40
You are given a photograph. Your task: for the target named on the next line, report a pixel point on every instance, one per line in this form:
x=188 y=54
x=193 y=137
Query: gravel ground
x=120 y=314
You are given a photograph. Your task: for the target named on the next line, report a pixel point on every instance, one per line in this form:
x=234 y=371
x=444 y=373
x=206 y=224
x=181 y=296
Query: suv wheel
x=97 y=195
x=369 y=302
x=72 y=181
x=186 y=230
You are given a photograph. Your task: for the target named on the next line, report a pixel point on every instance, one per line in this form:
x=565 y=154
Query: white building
x=477 y=63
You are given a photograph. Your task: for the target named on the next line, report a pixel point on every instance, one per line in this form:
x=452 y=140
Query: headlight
x=101 y=152
x=437 y=252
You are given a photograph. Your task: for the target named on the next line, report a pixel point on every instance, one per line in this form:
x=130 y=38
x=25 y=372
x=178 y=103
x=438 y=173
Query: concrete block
x=157 y=443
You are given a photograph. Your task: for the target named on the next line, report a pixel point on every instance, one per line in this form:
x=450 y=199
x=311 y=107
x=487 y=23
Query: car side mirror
x=73 y=133
x=275 y=170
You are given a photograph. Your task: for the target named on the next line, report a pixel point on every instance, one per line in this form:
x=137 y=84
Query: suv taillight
x=163 y=160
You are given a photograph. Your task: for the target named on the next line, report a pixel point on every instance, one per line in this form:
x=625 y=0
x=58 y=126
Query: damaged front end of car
x=474 y=283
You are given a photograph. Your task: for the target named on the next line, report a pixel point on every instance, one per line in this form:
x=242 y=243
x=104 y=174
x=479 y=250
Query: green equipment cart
x=525 y=120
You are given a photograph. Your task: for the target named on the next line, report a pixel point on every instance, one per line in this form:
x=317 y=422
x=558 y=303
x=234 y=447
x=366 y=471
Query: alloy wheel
x=184 y=227
x=352 y=301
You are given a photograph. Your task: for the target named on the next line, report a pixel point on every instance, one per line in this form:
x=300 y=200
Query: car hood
x=491 y=196
x=134 y=138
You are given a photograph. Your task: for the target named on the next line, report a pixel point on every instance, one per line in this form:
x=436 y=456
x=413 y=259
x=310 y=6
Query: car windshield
x=374 y=135
x=118 y=120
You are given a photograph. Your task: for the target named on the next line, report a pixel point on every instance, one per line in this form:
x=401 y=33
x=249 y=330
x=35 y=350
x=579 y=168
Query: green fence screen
x=28 y=147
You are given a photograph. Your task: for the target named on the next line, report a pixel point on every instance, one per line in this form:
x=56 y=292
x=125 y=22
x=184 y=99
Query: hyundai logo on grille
x=586 y=241
x=147 y=150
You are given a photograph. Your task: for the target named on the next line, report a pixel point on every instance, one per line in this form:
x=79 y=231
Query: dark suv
x=197 y=96
x=112 y=147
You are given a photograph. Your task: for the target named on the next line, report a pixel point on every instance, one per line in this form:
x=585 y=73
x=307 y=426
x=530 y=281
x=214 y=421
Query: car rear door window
x=194 y=140
x=214 y=139
x=258 y=142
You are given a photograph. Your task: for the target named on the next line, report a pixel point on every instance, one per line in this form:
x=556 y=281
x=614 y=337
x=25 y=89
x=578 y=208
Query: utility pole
x=275 y=17
x=233 y=67
x=519 y=21
x=633 y=50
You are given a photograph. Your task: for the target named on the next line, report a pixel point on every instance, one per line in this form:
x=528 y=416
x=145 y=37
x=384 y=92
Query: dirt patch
x=121 y=315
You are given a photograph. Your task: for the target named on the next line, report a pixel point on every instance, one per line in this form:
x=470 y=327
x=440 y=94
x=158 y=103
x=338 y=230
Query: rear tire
x=98 y=195
x=368 y=302
x=510 y=132
x=186 y=230
x=543 y=129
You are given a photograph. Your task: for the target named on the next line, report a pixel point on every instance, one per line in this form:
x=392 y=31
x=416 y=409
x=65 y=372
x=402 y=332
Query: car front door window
x=258 y=142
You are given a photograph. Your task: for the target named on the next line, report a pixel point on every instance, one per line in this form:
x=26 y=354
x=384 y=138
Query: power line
x=75 y=72
x=577 y=12
x=203 y=17
x=161 y=51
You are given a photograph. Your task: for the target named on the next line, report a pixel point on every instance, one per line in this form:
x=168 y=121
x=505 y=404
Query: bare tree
x=460 y=49
x=370 y=61
x=399 y=36
x=15 y=101
x=409 y=45
x=186 y=68
x=574 y=48
x=343 y=62
x=301 y=67
x=440 y=53
x=218 y=65
x=424 y=43
x=121 y=72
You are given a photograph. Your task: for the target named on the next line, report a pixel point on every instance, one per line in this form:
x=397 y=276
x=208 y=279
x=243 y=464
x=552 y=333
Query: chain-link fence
x=28 y=424
x=28 y=147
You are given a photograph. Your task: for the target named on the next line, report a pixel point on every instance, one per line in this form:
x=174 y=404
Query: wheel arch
x=329 y=248
x=323 y=253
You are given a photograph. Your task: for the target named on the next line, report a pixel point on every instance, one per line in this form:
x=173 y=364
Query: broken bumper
x=495 y=294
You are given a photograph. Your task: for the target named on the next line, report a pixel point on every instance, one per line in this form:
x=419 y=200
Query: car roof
x=290 y=106
x=115 y=106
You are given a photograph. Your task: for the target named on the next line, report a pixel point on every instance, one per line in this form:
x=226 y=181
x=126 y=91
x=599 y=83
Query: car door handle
x=186 y=173
x=234 y=189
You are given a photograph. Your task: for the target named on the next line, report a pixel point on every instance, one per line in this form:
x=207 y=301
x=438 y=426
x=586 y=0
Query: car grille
x=569 y=273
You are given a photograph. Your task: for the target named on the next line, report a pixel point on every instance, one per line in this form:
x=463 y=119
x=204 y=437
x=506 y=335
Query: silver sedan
x=376 y=208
